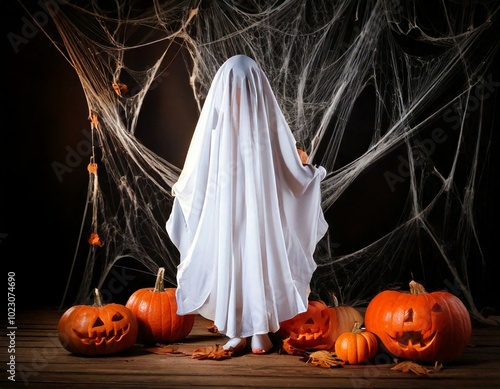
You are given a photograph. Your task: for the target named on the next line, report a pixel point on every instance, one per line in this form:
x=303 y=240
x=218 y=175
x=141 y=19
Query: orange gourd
x=98 y=329
x=356 y=346
x=346 y=315
x=156 y=313
x=420 y=326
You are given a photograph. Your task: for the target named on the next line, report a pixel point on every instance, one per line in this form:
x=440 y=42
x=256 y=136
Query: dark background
x=45 y=120
x=45 y=152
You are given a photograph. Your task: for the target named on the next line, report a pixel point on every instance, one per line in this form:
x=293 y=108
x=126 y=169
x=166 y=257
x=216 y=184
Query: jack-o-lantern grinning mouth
x=412 y=339
x=309 y=335
x=98 y=334
x=309 y=332
x=97 y=338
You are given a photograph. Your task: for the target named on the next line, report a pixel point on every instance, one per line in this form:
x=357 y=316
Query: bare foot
x=235 y=344
x=261 y=344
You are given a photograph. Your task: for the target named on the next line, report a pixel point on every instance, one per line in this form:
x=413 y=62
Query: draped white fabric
x=247 y=214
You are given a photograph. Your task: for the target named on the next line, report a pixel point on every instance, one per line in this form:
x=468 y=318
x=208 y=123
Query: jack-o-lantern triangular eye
x=409 y=315
x=117 y=317
x=309 y=321
x=437 y=308
x=98 y=322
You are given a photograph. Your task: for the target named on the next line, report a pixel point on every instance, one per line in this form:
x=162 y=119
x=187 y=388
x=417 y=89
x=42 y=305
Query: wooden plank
x=221 y=379
x=42 y=362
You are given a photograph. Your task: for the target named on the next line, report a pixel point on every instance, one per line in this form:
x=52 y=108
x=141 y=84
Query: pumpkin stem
x=97 y=299
x=356 y=328
x=335 y=300
x=159 y=285
x=416 y=288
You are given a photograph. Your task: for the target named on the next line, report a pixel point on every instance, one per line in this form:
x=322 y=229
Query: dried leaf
x=212 y=352
x=163 y=349
x=290 y=349
x=412 y=367
x=324 y=358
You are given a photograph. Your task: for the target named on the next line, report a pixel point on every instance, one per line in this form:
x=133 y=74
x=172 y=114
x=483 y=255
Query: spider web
x=393 y=99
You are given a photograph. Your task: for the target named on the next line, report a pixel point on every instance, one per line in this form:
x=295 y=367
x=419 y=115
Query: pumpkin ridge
x=432 y=300
x=383 y=310
x=166 y=310
x=400 y=301
x=451 y=329
x=144 y=304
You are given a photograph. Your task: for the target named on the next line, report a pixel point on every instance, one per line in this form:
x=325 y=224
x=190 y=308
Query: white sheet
x=247 y=215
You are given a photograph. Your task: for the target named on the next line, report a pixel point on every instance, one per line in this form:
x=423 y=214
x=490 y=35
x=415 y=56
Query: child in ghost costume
x=246 y=216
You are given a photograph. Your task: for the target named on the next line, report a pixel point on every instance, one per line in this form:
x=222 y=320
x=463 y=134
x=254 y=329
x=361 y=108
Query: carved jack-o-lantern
x=419 y=325
x=98 y=329
x=310 y=330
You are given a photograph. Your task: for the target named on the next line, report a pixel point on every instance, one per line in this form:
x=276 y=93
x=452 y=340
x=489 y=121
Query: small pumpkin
x=356 y=346
x=156 y=313
x=420 y=326
x=310 y=330
x=98 y=329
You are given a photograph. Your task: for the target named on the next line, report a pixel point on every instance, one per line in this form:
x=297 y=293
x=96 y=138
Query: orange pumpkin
x=418 y=325
x=156 y=313
x=356 y=346
x=98 y=329
x=310 y=330
x=346 y=315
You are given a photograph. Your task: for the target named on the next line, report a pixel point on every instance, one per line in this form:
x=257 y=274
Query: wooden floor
x=41 y=362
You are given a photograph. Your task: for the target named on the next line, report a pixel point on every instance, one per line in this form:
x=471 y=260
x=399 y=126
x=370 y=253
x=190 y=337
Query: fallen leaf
x=324 y=358
x=163 y=349
x=291 y=349
x=212 y=352
x=412 y=367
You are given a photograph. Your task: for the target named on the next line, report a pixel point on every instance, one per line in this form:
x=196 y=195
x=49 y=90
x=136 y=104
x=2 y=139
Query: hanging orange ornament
x=92 y=168
x=94 y=240
x=120 y=88
x=94 y=119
